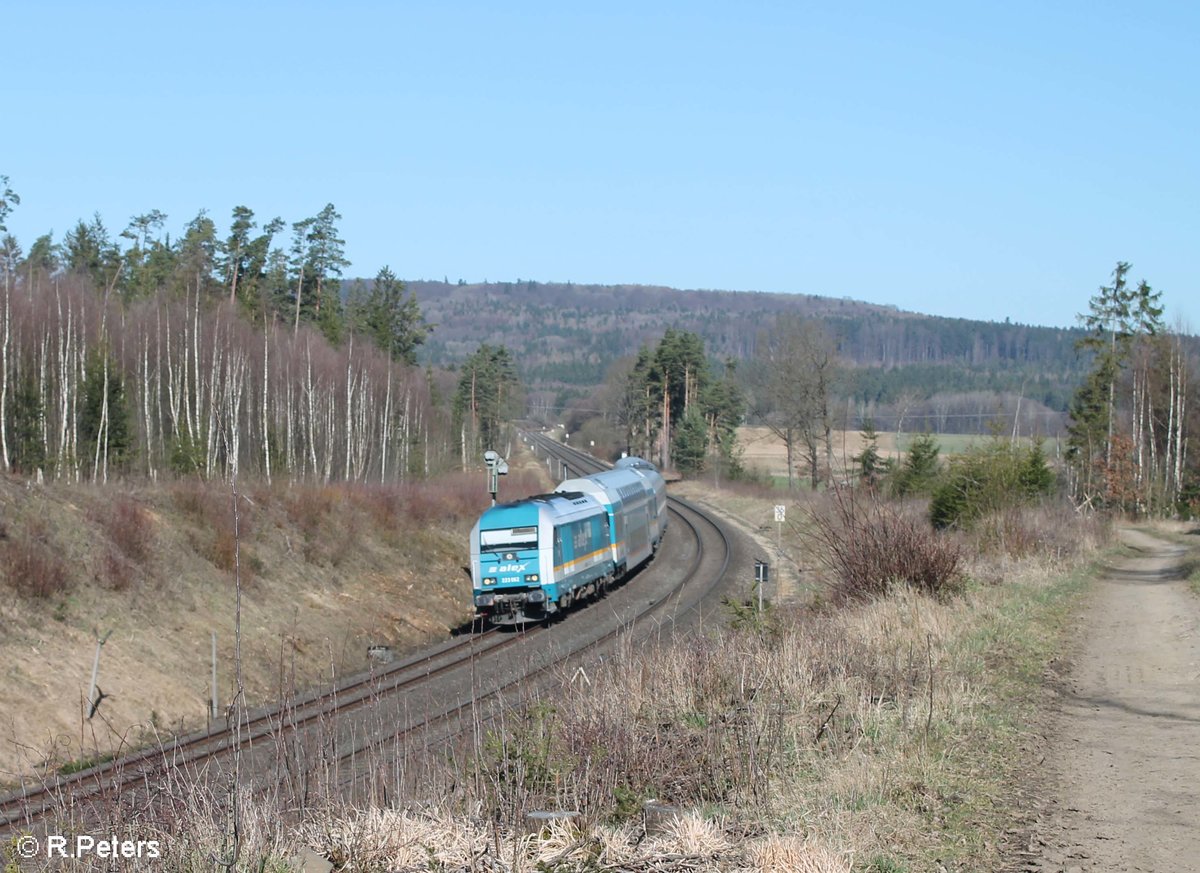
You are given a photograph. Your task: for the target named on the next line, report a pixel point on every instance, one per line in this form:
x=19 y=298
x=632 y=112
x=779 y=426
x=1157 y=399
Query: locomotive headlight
x=533 y=577
x=489 y=580
x=510 y=556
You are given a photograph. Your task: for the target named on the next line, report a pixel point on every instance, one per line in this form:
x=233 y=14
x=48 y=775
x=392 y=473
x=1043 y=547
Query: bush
x=868 y=546
x=128 y=525
x=211 y=506
x=115 y=571
x=988 y=481
x=34 y=569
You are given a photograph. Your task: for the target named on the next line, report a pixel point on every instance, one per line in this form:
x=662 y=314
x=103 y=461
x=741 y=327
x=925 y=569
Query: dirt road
x=1124 y=746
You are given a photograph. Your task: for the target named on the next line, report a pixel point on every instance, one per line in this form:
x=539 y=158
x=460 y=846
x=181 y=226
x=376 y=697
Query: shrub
x=128 y=525
x=211 y=505
x=34 y=569
x=868 y=546
x=871 y=465
x=986 y=481
x=115 y=572
x=309 y=508
x=690 y=443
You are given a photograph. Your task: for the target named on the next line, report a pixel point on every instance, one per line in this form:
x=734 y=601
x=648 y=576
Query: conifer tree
x=1118 y=317
x=488 y=396
x=393 y=318
x=8 y=199
x=918 y=473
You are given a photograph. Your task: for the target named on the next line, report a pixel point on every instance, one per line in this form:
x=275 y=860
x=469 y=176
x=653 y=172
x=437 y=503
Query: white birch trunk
x=349 y=405
x=266 y=426
x=385 y=437
x=4 y=376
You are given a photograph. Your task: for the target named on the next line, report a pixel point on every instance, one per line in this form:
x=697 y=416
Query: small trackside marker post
x=762 y=573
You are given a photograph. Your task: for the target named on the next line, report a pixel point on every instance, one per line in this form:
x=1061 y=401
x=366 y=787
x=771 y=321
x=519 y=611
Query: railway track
x=31 y=803
x=678 y=606
x=419 y=702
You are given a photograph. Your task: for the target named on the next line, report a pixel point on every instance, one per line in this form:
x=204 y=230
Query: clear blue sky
x=973 y=160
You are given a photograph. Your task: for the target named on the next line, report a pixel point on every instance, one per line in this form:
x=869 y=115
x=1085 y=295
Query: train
x=534 y=558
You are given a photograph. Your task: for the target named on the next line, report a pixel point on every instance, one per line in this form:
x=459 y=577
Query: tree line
x=891 y=352
x=676 y=411
x=1132 y=416
x=1127 y=432
x=209 y=355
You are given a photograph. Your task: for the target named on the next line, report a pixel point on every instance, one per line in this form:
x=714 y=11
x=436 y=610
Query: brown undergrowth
x=877 y=733
x=327 y=572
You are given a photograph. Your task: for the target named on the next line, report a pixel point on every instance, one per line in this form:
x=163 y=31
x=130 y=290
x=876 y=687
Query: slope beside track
x=351 y=734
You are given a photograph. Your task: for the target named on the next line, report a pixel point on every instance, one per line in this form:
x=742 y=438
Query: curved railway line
x=355 y=728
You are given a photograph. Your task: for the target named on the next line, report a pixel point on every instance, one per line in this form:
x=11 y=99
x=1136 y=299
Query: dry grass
x=878 y=737
x=873 y=737
x=426 y=838
x=887 y=729
x=158 y=574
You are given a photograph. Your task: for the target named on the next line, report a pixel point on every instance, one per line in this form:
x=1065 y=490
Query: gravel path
x=1124 y=749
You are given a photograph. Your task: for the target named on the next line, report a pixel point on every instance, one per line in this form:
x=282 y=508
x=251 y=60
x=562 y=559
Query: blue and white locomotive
x=535 y=557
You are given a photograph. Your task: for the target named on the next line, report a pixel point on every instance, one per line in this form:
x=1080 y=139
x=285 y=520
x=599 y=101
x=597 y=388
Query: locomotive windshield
x=508 y=539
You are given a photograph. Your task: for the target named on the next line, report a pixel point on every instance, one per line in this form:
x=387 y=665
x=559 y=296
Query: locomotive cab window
x=508 y=539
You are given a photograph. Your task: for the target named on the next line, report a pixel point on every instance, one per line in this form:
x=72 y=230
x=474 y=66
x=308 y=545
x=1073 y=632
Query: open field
x=765 y=452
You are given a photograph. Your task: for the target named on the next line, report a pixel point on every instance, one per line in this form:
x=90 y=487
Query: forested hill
x=565 y=336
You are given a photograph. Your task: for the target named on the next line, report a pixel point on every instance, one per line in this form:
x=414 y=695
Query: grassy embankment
x=885 y=734
x=325 y=572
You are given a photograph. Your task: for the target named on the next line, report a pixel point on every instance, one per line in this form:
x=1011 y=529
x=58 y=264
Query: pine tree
x=690 y=444
x=724 y=407
x=393 y=318
x=8 y=199
x=488 y=396
x=26 y=451
x=870 y=463
x=88 y=251
x=918 y=474
x=1035 y=476
x=1118 y=316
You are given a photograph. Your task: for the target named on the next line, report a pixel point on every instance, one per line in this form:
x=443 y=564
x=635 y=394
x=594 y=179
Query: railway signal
x=497 y=467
